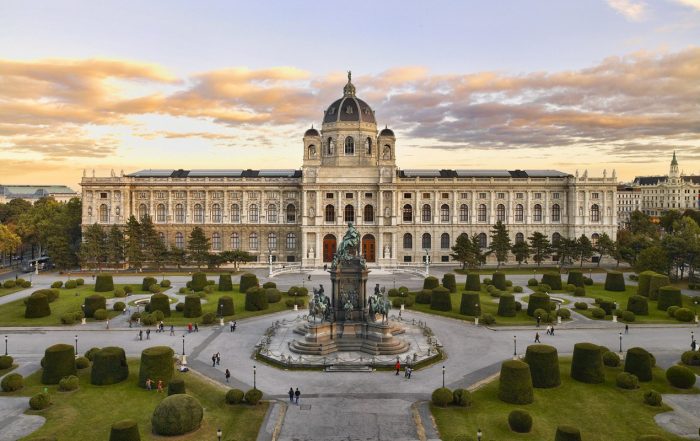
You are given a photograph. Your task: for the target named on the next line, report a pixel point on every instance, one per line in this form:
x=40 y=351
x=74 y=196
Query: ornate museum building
x=349 y=174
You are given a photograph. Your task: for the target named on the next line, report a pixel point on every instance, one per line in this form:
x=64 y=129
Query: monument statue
x=320 y=305
x=348 y=246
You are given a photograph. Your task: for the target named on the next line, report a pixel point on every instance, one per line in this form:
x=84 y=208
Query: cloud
x=691 y=3
x=634 y=11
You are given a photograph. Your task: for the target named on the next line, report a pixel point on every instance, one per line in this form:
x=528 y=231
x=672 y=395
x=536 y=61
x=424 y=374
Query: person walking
x=213 y=360
x=693 y=345
x=172 y=329
x=551 y=330
x=409 y=371
x=234 y=326
x=397 y=366
x=189 y=327
x=291 y=395
x=230 y=326
x=141 y=334
x=218 y=359
x=196 y=328
x=627 y=328
x=149 y=384
x=160 y=386
x=227 y=375
x=537 y=337
x=148 y=334
x=297 y=394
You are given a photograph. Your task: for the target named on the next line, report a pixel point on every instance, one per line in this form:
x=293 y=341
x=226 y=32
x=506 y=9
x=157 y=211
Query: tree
x=462 y=249
x=521 y=251
x=565 y=248
x=93 y=252
x=9 y=241
x=177 y=257
x=115 y=246
x=640 y=223
x=12 y=210
x=540 y=247
x=134 y=251
x=668 y=219
x=478 y=257
x=605 y=247
x=681 y=245
x=154 y=250
x=236 y=257
x=583 y=249
x=653 y=258
x=500 y=243
x=198 y=246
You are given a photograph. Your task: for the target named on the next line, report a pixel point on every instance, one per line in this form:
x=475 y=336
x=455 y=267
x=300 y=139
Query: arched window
x=143 y=211
x=235 y=241
x=160 y=213
x=291 y=241
x=537 y=213
x=179 y=241
x=594 y=239
x=216 y=242
x=519 y=213
x=444 y=241
x=272 y=241
x=312 y=151
x=349 y=146
x=104 y=213
x=253 y=241
x=198 y=214
x=271 y=214
x=253 y=214
x=556 y=237
x=444 y=213
x=556 y=213
x=482 y=240
x=235 y=213
x=407 y=241
x=349 y=213
x=426 y=214
x=291 y=214
x=464 y=213
x=501 y=212
x=481 y=215
x=216 y=213
x=179 y=214
x=426 y=242
x=595 y=213
x=408 y=213
x=369 y=214
x=368 y=146
x=330 y=213
x=519 y=238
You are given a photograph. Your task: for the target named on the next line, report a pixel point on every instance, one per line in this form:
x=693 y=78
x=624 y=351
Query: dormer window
x=348 y=109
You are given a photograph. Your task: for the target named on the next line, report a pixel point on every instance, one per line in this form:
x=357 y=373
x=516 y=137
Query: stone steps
x=348 y=368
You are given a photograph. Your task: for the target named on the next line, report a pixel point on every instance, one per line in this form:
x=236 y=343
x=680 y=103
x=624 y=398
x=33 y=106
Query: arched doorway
x=329 y=247
x=369 y=248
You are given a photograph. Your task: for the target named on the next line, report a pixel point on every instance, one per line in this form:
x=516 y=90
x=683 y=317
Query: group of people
x=149 y=385
x=232 y=325
x=294 y=395
x=216 y=360
x=408 y=370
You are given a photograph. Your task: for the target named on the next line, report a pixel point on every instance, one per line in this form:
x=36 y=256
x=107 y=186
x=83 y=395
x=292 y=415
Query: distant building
x=629 y=199
x=33 y=193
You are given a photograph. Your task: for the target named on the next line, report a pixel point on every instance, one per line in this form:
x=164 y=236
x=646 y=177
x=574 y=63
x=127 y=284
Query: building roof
x=656 y=180
x=423 y=173
x=35 y=191
x=222 y=173
x=349 y=108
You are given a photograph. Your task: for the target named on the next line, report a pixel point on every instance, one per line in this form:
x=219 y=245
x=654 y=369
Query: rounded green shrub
x=627 y=316
x=520 y=421
x=691 y=358
x=69 y=383
x=109 y=366
x=587 y=363
x=625 y=380
x=155 y=288
x=499 y=280
x=180 y=307
x=93 y=303
x=614 y=281
x=59 y=362
x=165 y=283
x=611 y=359
x=669 y=296
x=37 y=306
x=488 y=319
x=234 y=396
x=208 y=318
x=68 y=318
x=255 y=299
x=442 y=397
x=160 y=302
x=57 y=284
x=656 y=282
x=176 y=415
x=506 y=305
x=193 y=306
x=544 y=365
x=12 y=382
x=532 y=282
x=124 y=430
x=581 y=305
x=638 y=362
x=461 y=397
x=537 y=301
x=156 y=364
x=587 y=281
x=567 y=433
x=40 y=401
x=423 y=296
x=176 y=386
x=100 y=314
x=449 y=282
x=552 y=279
x=104 y=283
x=473 y=282
x=638 y=305
x=470 y=304
x=564 y=313
x=253 y=396
x=273 y=295
x=575 y=278
x=430 y=282
x=579 y=291
x=6 y=361
x=671 y=311
x=8 y=284
x=393 y=292
x=119 y=306
x=70 y=284
x=119 y=292
x=82 y=363
x=517 y=289
x=440 y=300
x=225 y=282
x=147 y=283
x=248 y=281
x=515 y=385
x=90 y=353
x=199 y=281
x=680 y=377
x=225 y=306
x=597 y=313
x=684 y=315
x=652 y=398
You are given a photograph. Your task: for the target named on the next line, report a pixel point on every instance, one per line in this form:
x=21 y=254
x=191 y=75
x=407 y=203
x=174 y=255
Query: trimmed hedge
x=255 y=299
x=104 y=283
x=37 y=306
x=160 y=302
x=273 y=295
x=638 y=362
x=124 y=430
x=69 y=383
x=442 y=397
x=544 y=365
x=567 y=433
x=176 y=415
x=656 y=282
x=423 y=296
x=93 y=303
x=691 y=358
x=59 y=362
x=198 y=282
x=680 y=377
x=40 y=401
x=587 y=363
x=12 y=382
x=473 y=282
x=611 y=359
x=193 y=306
x=156 y=364
x=470 y=304
x=147 y=283
x=669 y=296
x=440 y=300
x=82 y=363
x=552 y=279
x=6 y=361
x=652 y=398
x=430 y=282
x=449 y=282
x=225 y=306
x=208 y=318
x=598 y=313
x=461 y=398
x=537 y=301
x=575 y=278
x=520 y=421
x=109 y=366
x=639 y=305
x=253 y=396
x=225 y=283
x=515 y=384
x=248 y=281
x=176 y=386
x=625 y=380
x=643 y=283
x=499 y=280
x=614 y=281
x=684 y=315
x=234 y=396
x=506 y=305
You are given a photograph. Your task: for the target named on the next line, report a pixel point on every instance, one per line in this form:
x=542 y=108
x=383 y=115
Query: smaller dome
x=311 y=132
x=386 y=132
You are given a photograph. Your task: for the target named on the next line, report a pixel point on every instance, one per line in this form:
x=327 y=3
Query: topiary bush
x=552 y=279
x=515 y=384
x=638 y=362
x=627 y=316
x=147 y=283
x=225 y=306
x=198 y=282
x=59 y=362
x=579 y=291
x=611 y=359
x=70 y=284
x=473 y=282
x=691 y=358
x=12 y=382
x=614 y=281
x=440 y=300
x=208 y=318
x=532 y=282
x=6 y=361
x=253 y=397
x=517 y=288
x=225 y=283
x=193 y=306
x=234 y=396
x=564 y=313
x=100 y=314
x=575 y=278
x=160 y=302
x=470 y=304
x=461 y=397
x=255 y=299
x=82 y=363
x=506 y=306
x=499 y=280
x=156 y=364
x=597 y=313
x=669 y=296
x=537 y=301
x=587 y=363
x=581 y=306
x=430 y=282
x=671 y=311
x=544 y=365
x=488 y=319
x=587 y=281
x=119 y=292
x=442 y=397
x=423 y=296
x=567 y=433
x=643 y=282
x=104 y=283
x=684 y=315
x=124 y=430
x=273 y=295
x=165 y=283
x=638 y=305
x=625 y=380
x=176 y=415
x=520 y=421
x=109 y=366
x=248 y=281
x=656 y=282
x=57 y=284
x=93 y=303
x=40 y=401
x=449 y=282
x=69 y=383
x=652 y=398
x=176 y=386
x=37 y=305
x=680 y=377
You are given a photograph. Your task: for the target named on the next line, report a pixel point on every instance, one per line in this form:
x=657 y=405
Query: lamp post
x=76 y=344
x=620 y=342
x=443 y=376
x=427 y=261
x=183 y=345
x=478 y=434
x=5 y=345
x=255 y=386
x=269 y=262
x=515 y=346
x=219 y=433
x=692 y=337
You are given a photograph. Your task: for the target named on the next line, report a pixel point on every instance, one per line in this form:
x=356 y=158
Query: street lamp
x=254 y=378
x=478 y=434
x=219 y=433
x=620 y=342
x=515 y=346
x=692 y=337
x=443 y=376
x=76 y=344
x=183 y=345
x=5 y=345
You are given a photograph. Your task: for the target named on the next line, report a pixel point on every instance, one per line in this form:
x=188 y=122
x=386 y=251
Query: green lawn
x=89 y=412
x=12 y=314
x=602 y=412
x=6 y=291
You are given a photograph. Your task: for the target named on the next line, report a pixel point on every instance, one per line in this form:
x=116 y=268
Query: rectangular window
x=273 y=195
x=445 y=258
x=464 y=195
x=348 y=195
x=329 y=195
x=142 y=195
x=555 y=195
x=501 y=195
x=368 y=195
x=445 y=195
x=217 y=194
x=252 y=194
x=406 y=258
x=426 y=195
x=538 y=195
x=482 y=195
x=595 y=195
x=407 y=195
x=103 y=195
x=518 y=195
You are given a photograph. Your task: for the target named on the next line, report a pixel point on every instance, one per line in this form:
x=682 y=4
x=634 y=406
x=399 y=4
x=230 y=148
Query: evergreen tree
x=584 y=249
x=198 y=246
x=521 y=251
x=134 y=250
x=154 y=250
x=462 y=249
x=500 y=243
x=93 y=252
x=477 y=256
x=540 y=247
x=177 y=257
x=605 y=247
x=115 y=246
x=236 y=257
x=566 y=249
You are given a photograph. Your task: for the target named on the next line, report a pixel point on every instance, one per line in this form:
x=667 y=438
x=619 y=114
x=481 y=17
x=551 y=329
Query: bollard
x=296 y=308
x=83 y=321
x=221 y=321
x=558 y=320
x=476 y=321
x=614 y=319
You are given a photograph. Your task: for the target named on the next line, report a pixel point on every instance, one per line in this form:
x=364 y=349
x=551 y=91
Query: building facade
x=33 y=193
x=349 y=174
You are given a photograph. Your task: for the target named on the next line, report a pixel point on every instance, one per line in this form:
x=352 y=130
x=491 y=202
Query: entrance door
x=368 y=248
x=329 y=248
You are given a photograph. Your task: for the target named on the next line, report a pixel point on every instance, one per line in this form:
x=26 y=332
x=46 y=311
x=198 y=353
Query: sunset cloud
x=632 y=10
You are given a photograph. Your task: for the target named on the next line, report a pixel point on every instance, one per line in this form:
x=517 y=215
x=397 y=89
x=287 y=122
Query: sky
x=510 y=84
